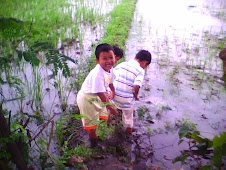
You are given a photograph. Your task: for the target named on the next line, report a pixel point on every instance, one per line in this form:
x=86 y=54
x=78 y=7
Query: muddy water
x=183 y=82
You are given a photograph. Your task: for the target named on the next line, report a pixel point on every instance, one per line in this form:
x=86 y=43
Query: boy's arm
x=104 y=98
x=136 y=89
x=112 y=95
x=137 y=84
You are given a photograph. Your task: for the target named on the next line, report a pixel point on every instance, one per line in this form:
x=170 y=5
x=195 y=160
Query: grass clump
x=142 y=112
x=122 y=17
x=117 y=31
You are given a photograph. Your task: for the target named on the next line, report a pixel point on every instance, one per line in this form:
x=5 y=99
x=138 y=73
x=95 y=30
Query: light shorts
x=92 y=108
x=127 y=115
x=127 y=118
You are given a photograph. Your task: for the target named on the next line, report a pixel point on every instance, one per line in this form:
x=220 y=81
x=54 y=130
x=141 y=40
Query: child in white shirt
x=92 y=97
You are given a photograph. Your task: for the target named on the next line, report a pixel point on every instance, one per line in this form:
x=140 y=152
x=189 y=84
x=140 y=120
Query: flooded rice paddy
x=183 y=82
x=182 y=85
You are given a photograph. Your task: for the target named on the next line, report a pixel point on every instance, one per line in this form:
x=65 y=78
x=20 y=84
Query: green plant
x=88 y=16
x=142 y=111
x=150 y=130
x=168 y=126
x=104 y=131
x=161 y=108
x=202 y=148
x=14 y=141
x=64 y=90
x=221 y=45
x=37 y=90
x=79 y=151
x=61 y=129
x=67 y=133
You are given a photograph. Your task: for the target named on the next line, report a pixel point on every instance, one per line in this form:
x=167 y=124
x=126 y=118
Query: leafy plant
x=150 y=130
x=161 y=108
x=76 y=156
x=14 y=141
x=142 y=111
x=202 y=147
x=219 y=145
x=104 y=131
x=61 y=129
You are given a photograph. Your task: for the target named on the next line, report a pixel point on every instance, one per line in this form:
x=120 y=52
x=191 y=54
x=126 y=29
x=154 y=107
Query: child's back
x=128 y=74
x=129 y=79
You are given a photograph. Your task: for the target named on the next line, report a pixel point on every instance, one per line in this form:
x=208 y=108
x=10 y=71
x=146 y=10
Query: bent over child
x=119 y=53
x=92 y=97
x=129 y=79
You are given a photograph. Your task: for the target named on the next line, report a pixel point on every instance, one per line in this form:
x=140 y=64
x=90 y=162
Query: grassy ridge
x=119 y=27
x=46 y=20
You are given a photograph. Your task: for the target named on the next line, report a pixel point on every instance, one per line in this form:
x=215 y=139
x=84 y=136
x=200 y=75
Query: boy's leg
x=93 y=137
x=92 y=134
x=91 y=114
x=127 y=118
x=104 y=115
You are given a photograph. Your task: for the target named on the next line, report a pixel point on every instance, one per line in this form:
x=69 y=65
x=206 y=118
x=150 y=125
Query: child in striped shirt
x=119 y=53
x=129 y=79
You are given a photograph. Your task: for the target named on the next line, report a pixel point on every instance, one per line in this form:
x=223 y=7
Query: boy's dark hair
x=118 y=51
x=144 y=55
x=104 y=47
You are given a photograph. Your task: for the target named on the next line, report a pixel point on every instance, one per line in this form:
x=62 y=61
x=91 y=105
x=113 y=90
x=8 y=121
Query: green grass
x=118 y=29
x=44 y=18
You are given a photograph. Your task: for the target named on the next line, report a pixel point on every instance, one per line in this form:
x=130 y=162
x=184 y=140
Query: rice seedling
x=64 y=89
x=37 y=90
x=142 y=112
x=169 y=127
x=150 y=130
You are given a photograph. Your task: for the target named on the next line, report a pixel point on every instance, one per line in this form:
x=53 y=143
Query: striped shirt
x=128 y=74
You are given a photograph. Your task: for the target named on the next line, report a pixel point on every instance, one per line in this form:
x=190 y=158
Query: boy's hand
x=112 y=95
x=136 y=89
x=105 y=99
x=113 y=110
x=109 y=119
x=136 y=98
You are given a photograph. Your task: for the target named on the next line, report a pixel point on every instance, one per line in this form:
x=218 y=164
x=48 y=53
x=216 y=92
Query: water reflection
x=181 y=31
x=185 y=38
